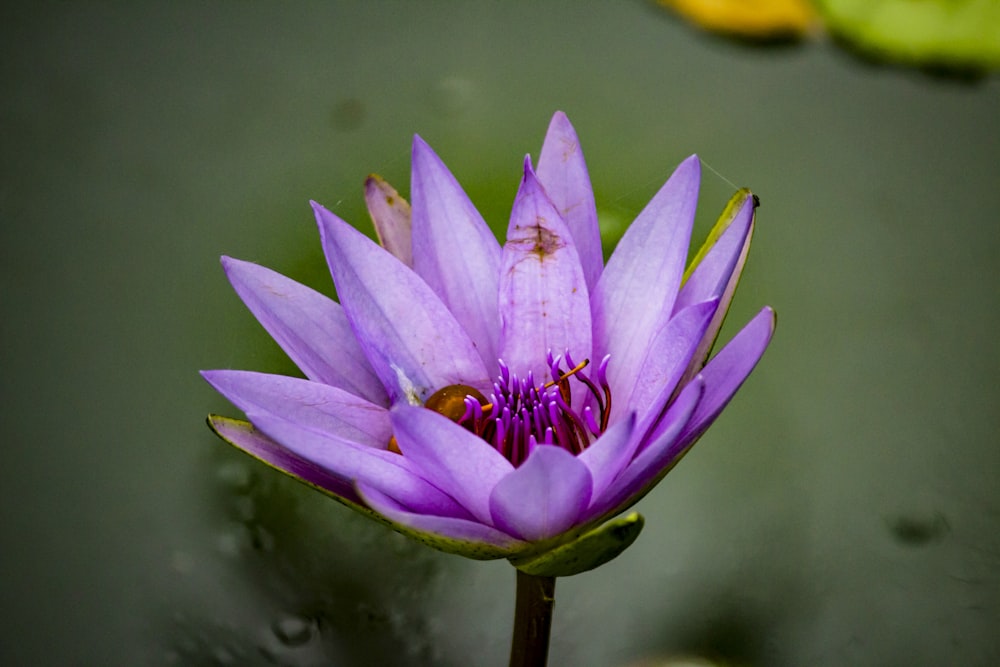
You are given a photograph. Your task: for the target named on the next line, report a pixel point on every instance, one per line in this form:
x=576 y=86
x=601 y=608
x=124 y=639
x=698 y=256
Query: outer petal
x=636 y=293
x=390 y=214
x=243 y=435
x=306 y=426
x=716 y=269
x=544 y=497
x=667 y=359
x=311 y=404
x=309 y=327
x=459 y=536
x=563 y=172
x=410 y=338
x=654 y=461
x=459 y=463
x=454 y=250
x=544 y=303
x=390 y=473
x=728 y=369
x=610 y=453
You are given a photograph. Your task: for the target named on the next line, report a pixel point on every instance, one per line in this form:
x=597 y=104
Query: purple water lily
x=499 y=401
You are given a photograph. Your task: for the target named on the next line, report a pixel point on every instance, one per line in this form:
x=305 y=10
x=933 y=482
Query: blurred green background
x=845 y=509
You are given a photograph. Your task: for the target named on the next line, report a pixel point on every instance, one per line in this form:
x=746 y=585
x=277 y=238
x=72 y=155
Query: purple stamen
x=522 y=415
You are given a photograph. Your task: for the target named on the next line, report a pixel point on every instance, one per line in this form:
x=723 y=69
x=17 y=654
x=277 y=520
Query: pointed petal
x=451 y=535
x=412 y=341
x=306 y=425
x=716 y=269
x=459 y=463
x=390 y=214
x=544 y=303
x=309 y=327
x=592 y=549
x=636 y=292
x=388 y=472
x=317 y=406
x=454 y=250
x=544 y=497
x=663 y=451
x=610 y=453
x=728 y=369
x=243 y=435
x=667 y=358
x=563 y=173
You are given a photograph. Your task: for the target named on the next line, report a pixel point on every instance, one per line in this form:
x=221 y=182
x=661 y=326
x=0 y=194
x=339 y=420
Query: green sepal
x=733 y=207
x=590 y=550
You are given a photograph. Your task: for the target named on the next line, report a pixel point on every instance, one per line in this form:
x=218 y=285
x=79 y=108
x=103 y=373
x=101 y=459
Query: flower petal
x=389 y=472
x=545 y=496
x=667 y=358
x=662 y=452
x=243 y=435
x=309 y=327
x=318 y=406
x=563 y=173
x=716 y=269
x=636 y=292
x=459 y=463
x=728 y=369
x=311 y=422
x=452 y=535
x=454 y=250
x=390 y=214
x=410 y=338
x=544 y=303
x=608 y=455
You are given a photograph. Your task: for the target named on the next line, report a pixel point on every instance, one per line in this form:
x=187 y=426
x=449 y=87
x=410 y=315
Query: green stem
x=529 y=645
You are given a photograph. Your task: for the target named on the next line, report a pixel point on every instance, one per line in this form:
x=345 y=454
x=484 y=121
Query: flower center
x=521 y=414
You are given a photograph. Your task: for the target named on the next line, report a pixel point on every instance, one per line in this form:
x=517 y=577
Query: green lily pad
x=954 y=34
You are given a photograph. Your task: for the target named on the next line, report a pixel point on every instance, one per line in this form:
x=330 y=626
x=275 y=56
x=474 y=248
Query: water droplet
x=233 y=540
x=294 y=630
x=262 y=539
x=917 y=530
x=234 y=475
x=223 y=656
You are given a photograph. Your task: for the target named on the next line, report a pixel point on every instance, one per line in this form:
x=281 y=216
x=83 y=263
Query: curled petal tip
x=529 y=170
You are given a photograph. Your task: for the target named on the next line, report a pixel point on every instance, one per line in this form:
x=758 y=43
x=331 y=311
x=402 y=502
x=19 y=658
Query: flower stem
x=532 y=620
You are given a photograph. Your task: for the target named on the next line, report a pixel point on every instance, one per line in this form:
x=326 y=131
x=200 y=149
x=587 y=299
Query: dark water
x=844 y=510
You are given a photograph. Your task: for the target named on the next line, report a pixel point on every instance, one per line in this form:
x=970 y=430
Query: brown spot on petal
x=538 y=239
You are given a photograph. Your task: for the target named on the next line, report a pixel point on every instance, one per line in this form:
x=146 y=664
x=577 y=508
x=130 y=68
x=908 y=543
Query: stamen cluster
x=520 y=415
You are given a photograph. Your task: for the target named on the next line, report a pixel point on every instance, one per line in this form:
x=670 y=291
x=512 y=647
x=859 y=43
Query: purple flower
x=500 y=401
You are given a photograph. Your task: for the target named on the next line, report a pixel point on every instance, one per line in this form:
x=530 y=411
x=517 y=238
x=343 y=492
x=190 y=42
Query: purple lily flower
x=500 y=401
